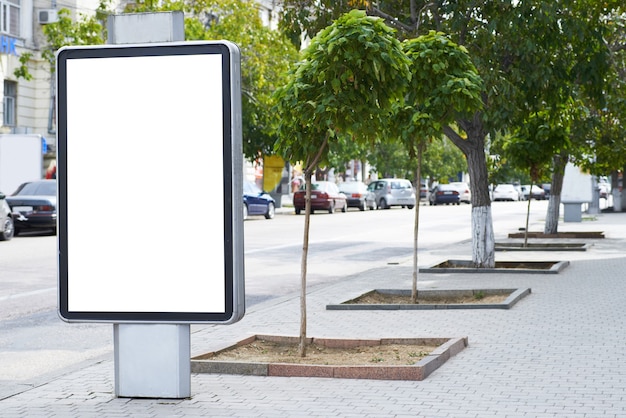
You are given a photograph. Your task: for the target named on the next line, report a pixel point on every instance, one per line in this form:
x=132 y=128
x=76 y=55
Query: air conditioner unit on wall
x=45 y=16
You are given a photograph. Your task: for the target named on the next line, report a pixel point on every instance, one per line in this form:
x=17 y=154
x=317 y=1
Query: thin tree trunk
x=308 y=172
x=303 y=265
x=418 y=186
x=554 y=204
x=530 y=197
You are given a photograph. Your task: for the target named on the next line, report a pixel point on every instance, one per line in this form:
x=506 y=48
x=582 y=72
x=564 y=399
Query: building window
x=10 y=17
x=9 y=103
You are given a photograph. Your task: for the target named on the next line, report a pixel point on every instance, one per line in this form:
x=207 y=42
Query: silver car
x=7 y=229
x=385 y=193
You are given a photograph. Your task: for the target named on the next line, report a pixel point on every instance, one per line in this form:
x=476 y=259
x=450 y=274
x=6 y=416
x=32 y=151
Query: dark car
x=464 y=191
x=34 y=206
x=257 y=202
x=444 y=194
x=325 y=195
x=6 y=220
x=356 y=194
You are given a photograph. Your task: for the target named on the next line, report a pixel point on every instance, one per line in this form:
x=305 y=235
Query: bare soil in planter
x=374 y=298
x=263 y=351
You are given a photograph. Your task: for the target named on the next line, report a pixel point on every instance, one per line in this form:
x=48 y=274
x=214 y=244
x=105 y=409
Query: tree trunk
x=616 y=192
x=303 y=265
x=483 y=241
x=418 y=186
x=554 y=205
x=530 y=197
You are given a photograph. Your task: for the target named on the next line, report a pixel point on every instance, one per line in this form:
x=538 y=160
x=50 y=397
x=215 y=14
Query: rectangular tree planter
x=446 y=348
x=514 y=296
x=466 y=266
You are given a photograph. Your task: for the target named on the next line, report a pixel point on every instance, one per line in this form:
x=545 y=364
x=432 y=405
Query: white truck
x=21 y=160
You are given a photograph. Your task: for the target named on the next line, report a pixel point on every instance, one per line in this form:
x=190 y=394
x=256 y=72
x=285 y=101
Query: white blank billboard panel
x=148 y=184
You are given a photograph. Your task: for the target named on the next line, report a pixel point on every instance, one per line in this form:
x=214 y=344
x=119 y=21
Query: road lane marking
x=26 y=294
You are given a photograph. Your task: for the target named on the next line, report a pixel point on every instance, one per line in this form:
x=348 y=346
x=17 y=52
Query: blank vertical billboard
x=149 y=172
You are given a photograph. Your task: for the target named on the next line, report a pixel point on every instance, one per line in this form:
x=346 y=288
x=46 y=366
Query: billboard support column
x=151 y=360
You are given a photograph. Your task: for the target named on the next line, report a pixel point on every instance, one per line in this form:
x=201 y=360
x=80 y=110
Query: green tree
x=569 y=81
x=444 y=85
x=344 y=86
x=604 y=124
x=532 y=55
x=533 y=146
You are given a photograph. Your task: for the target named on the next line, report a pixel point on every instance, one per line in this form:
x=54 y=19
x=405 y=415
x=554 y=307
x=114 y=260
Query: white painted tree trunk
x=483 y=241
x=618 y=200
x=554 y=205
x=552 y=216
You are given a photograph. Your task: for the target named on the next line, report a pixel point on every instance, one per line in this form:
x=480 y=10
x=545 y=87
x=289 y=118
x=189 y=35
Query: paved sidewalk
x=559 y=352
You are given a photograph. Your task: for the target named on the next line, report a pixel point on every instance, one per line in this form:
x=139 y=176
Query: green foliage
x=87 y=30
x=266 y=57
x=441 y=160
x=532 y=56
x=533 y=144
x=22 y=70
x=445 y=83
x=350 y=75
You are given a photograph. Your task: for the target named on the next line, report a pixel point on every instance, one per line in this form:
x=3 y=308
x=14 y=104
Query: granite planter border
x=447 y=348
x=573 y=234
x=515 y=295
x=465 y=266
x=542 y=246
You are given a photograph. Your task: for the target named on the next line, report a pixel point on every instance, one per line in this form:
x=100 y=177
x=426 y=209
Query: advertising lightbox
x=149 y=172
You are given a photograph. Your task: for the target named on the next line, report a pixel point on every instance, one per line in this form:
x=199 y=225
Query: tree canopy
x=532 y=55
x=348 y=77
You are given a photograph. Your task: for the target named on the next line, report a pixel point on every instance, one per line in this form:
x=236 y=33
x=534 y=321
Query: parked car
x=385 y=193
x=257 y=202
x=6 y=220
x=536 y=193
x=325 y=195
x=356 y=194
x=34 y=206
x=444 y=194
x=506 y=192
x=464 y=191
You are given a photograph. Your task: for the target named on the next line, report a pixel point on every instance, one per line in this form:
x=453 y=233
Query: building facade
x=28 y=105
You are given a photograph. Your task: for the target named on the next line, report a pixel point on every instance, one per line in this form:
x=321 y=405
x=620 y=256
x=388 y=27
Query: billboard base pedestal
x=572 y=212
x=152 y=360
